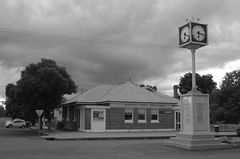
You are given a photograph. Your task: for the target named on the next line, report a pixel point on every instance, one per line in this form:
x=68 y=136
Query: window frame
x=128 y=121
x=157 y=111
x=145 y=115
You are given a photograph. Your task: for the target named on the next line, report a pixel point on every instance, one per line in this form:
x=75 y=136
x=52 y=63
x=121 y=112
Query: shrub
x=60 y=125
x=226 y=139
x=238 y=131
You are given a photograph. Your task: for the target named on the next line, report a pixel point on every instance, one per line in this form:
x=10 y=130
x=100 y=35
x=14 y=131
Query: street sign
x=39 y=112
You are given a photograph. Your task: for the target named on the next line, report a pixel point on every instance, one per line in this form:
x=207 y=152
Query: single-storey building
x=122 y=107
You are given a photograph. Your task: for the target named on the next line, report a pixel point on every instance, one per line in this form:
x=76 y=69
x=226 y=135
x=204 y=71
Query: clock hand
x=185 y=35
x=199 y=33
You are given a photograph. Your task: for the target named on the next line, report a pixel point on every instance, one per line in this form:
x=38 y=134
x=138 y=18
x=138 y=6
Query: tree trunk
x=49 y=120
x=40 y=122
x=49 y=124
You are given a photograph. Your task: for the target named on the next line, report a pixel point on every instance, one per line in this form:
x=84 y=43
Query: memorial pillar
x=195 y=123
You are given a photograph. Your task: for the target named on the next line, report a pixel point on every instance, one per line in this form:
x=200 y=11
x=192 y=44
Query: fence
x=225 y=127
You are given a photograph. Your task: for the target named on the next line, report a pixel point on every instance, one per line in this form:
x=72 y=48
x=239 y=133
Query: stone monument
x=195 y=124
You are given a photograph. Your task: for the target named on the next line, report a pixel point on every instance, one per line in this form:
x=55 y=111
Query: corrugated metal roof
x=92 y=95
x=172 y=99
x=126 y=92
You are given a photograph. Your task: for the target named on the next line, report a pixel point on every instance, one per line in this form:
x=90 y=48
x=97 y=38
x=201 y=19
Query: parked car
x=16 y=123
x=28 y=123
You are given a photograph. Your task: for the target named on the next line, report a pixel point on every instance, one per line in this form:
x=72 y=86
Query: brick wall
x=115 y=119
x=167 y=119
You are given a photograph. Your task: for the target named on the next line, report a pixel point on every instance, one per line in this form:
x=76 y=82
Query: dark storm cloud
x=111 y=40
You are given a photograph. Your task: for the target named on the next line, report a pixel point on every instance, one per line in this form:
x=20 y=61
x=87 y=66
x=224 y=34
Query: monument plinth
x=195 y=110
x=195 y=123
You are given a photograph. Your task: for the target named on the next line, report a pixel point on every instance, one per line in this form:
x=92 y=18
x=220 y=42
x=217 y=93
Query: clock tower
x=193 y=35
x=195 y=119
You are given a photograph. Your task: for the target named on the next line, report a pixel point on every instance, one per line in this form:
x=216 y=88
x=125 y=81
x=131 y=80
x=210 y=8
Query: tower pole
x=193 y=70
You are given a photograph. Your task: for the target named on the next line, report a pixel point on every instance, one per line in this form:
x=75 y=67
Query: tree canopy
x=41 y=86
x=205 y=83
x=13 y=109
x=226 y=102
x=2 y=111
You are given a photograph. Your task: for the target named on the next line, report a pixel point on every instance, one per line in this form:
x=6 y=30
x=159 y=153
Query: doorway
x=98 y=120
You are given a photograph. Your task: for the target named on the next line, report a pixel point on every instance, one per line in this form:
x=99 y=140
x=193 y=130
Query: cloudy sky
x=108 y=41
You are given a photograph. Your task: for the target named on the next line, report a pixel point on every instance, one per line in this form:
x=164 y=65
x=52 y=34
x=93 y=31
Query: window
x=154 y=115
x=141 y=115
x=98 y=115
x=128 y=115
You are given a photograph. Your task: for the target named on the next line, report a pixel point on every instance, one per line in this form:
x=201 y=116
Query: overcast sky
x=108 y=41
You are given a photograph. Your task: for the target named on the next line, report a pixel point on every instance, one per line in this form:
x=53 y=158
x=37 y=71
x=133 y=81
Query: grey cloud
x=125 y=25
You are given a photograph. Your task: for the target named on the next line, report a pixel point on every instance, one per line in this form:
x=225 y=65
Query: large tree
x=2 y=111
x=227 y=102
x=42 y=86
x=205 y=83
x=13 y=109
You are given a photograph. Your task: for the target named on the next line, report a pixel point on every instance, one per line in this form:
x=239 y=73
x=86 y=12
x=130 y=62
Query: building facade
x=122 y=107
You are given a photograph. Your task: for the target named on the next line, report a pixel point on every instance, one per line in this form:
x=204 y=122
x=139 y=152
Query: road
x=26 y=144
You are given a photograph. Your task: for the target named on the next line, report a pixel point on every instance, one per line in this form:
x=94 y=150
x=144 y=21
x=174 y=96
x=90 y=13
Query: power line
x=83 y=39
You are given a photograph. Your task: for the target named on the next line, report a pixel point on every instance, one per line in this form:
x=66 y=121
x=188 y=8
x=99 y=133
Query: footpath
x=68 y=135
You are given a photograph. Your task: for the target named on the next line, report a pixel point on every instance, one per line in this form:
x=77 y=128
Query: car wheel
x=23 y=126
x=9 y=126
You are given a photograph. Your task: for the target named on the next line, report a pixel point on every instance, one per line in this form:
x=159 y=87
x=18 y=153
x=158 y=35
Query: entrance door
x=177 y=120
x=98 y=120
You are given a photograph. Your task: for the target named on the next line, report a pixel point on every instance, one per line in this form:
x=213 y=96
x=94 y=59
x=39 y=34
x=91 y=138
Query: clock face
x=198 y=33
x=185 y=34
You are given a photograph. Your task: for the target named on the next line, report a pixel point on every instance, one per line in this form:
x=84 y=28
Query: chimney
x=175 y=91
